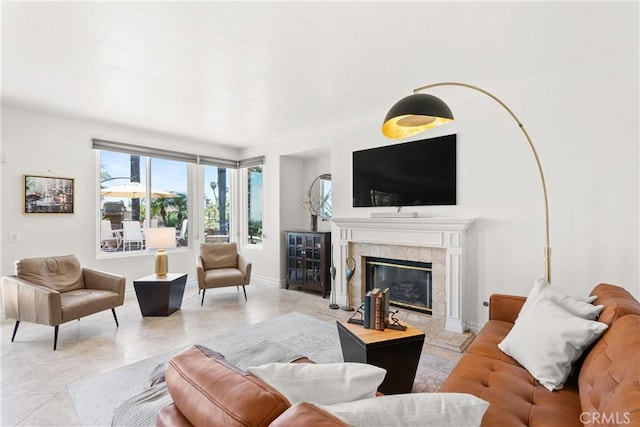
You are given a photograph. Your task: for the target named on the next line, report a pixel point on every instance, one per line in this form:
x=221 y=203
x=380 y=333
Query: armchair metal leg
x=113 y=310
x=245 y=292
x=15 y=329
x=202 y=302
x=55 y=337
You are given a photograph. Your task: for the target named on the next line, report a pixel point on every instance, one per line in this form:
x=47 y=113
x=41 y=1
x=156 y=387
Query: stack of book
x=376 y=309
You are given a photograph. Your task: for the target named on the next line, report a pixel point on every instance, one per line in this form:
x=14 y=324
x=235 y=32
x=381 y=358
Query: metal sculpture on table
x=351 y=269
x=334 y=305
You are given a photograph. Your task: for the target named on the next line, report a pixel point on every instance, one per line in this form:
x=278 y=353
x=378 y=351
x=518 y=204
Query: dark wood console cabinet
x=309 y=260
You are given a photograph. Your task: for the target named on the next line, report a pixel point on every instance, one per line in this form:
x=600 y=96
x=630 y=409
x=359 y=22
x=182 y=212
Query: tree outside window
x=254 y=204
x=217 y=207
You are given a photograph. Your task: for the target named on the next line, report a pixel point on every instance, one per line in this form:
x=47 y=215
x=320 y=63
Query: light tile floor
x=33 y=376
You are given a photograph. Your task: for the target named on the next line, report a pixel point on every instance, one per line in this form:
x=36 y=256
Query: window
x=128 y=173
x=254 y=205
x=217 y=206
x=125 y=210
x=169 y=197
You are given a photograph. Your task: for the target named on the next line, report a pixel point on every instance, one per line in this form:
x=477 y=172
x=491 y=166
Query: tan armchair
x=219 y=265
x=55 y=290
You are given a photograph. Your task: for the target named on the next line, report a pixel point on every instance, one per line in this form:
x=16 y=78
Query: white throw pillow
x=546 y=340
x=577 y=306
x=413 y=409
x=322 y=383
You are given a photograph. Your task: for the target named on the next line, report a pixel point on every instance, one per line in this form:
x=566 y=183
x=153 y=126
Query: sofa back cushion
x=60 y=273
x=219 y=255
x=617 y=302
x=209 y=391
x=609 y=380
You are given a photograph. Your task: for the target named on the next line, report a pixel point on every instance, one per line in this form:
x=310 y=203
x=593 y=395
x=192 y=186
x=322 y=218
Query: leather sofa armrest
x=244 y=265
x=505 y=307
x=170 y=416
x=200 y=270
x=31 y=303
x=101 y=280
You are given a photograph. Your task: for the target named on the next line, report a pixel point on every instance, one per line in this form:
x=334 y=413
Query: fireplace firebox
x=410 y=282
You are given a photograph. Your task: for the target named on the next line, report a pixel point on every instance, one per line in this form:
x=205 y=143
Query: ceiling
x=244 y=73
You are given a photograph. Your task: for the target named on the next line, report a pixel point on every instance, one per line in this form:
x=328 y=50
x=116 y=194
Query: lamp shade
x=414 y=114
x=161 y=237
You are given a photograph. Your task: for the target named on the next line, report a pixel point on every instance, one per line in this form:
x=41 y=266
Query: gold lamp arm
x=547 y=249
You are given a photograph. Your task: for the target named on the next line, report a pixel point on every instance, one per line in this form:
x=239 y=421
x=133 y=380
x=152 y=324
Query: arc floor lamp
x=419 y=112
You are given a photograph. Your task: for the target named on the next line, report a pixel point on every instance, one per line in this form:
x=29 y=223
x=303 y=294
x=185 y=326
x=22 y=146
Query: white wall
x=584 y=123
x=583 y=120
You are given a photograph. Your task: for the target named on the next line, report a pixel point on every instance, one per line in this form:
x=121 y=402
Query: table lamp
x=161 y=238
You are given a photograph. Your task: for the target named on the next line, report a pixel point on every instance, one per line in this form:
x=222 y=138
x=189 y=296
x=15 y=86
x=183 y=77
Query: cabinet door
x=295 y=258
x=313 y=261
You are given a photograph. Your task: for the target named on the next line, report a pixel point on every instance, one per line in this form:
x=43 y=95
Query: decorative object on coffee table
x=160 y=296
x=420 y=112
x=396 y=351
x=351 y=269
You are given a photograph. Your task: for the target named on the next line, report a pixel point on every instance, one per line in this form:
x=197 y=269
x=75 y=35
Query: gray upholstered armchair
x=219 y=265
x=55 y=290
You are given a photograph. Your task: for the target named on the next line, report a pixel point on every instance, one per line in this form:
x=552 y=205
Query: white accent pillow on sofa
x=546 y=340
x=321 y=383
x=413 y=409
x=577 y=306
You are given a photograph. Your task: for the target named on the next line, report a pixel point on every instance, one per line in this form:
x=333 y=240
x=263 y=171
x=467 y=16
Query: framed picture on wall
x=48 y=194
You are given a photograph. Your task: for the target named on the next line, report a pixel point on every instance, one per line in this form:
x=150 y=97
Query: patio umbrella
x=134 y=190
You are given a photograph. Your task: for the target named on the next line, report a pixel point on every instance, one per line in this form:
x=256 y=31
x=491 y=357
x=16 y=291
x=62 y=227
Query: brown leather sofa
x=604 y=388
x=54 y=290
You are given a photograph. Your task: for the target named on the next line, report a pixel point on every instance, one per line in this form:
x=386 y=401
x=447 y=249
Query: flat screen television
x=416 y=173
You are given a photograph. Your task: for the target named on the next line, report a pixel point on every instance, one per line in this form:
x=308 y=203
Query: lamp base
x=162 y=264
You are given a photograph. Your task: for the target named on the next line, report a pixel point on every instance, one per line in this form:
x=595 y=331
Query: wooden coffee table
x=396 y=351
x=160 y=297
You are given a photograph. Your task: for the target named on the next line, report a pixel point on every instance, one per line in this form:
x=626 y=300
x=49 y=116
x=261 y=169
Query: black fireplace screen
x=409 y=282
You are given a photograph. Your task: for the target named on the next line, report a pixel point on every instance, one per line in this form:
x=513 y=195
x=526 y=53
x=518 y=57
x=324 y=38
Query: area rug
x=96 y=399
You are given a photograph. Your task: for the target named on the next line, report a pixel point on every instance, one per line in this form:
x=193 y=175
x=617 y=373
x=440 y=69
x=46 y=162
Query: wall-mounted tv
x=413 y=173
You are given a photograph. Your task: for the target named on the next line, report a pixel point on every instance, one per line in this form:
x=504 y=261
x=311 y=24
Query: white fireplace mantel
x=445 y=233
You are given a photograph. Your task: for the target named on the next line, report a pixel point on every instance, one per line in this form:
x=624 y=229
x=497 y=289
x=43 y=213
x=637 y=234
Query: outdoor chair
x=181 y=235
x=55 y=290
x=110 y=239
x=132 y=233
x=219 y=265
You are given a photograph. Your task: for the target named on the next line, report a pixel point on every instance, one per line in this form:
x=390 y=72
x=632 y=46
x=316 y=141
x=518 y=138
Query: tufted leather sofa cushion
x=617 y=301
x=610 y=376
x=208 y=391
x=515 y=397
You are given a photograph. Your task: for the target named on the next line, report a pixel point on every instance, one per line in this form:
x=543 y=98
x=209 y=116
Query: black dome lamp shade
x=414 y=114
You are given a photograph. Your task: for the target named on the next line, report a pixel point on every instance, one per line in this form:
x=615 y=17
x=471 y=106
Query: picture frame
x=48 y=195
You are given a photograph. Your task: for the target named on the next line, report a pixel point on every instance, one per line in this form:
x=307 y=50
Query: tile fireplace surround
x=439 y=241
